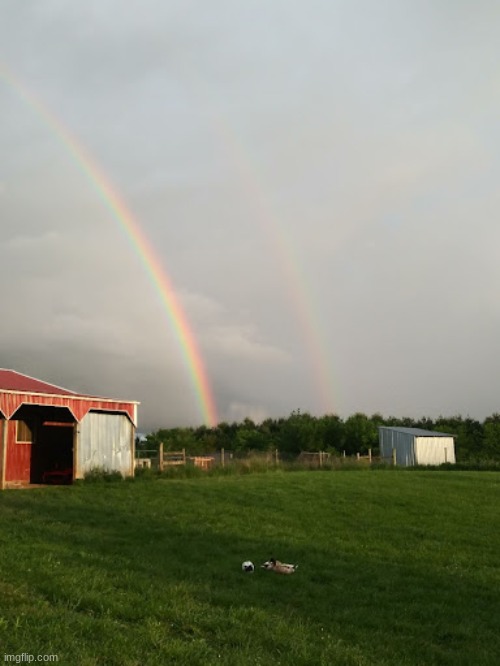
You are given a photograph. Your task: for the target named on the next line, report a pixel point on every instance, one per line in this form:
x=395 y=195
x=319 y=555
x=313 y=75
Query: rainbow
x=141 y=246
x=301 y=297
x=282 y=248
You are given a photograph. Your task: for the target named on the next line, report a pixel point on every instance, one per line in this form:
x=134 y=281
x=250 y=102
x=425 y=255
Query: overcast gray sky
x=319 y=180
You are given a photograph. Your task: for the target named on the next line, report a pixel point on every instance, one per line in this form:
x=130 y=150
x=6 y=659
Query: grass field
x=398 y=568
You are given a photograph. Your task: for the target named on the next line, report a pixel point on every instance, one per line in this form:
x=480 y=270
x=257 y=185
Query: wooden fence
x=161 y=459
x=314 y=458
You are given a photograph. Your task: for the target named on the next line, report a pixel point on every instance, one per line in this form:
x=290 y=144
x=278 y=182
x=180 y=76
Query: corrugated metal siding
x=403 y=442
x=434 y=450
x=105 y=441
x=429 y=449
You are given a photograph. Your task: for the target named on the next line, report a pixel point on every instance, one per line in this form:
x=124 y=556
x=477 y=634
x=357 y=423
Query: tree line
x=301 y=431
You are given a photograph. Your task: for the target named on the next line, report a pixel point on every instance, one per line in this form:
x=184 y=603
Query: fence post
x=357 y=455
x=370 y=454
x=394 y=457
x=222 y=461
x=276 y=454
x=321 y=458
x=160 y=457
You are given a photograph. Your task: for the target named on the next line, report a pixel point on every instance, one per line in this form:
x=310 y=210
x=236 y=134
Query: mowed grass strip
x=394 y=568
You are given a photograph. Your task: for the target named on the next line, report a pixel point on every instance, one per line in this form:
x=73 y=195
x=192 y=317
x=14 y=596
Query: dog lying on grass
x=279 y=567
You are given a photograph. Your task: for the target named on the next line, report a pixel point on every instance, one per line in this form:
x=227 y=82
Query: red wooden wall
x=18 y=459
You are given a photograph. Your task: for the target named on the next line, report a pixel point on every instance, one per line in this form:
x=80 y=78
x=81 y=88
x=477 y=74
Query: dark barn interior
x=52 y=443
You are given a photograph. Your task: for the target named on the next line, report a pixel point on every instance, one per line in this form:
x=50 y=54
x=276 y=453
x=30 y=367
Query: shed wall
x=434 y=450
x=105 y=441
x=402 y=442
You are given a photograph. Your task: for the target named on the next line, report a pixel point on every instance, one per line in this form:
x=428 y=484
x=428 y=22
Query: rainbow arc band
x=125 y=220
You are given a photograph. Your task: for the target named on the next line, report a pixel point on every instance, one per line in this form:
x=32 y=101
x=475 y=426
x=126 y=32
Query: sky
x=318 y=182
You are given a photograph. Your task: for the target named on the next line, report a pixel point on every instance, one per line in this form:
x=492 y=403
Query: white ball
x=248 y=567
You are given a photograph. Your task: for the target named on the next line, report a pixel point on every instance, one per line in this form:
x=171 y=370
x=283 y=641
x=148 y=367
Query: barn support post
x=3 y=457
x=132 y=448
x=160 y=457
x=76 y=432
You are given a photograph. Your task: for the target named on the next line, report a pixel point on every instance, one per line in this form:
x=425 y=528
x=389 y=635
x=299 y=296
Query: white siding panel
x=105 y=441
x=434 y=450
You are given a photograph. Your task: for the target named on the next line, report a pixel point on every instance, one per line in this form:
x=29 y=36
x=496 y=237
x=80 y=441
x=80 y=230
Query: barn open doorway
x=52 y=460
x=52 y=443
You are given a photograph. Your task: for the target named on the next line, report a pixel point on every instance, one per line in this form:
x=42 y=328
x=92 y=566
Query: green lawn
x=396 y=567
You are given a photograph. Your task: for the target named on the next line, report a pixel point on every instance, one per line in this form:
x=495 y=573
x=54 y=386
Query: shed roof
x=417 y=432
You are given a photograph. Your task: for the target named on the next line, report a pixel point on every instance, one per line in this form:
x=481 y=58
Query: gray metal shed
x=414 y=446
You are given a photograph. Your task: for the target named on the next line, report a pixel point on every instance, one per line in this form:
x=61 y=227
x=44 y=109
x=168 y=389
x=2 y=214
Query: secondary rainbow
x=299 y=293
x=138 y=241
x=282 y=248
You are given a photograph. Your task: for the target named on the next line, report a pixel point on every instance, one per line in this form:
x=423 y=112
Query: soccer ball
x=248 y=567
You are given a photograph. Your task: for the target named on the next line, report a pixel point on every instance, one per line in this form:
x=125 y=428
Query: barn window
x=23 y=433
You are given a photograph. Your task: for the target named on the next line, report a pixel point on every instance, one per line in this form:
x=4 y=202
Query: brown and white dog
x=279 y=567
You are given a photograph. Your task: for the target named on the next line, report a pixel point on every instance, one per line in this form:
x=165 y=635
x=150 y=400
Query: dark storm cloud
x=336 y=162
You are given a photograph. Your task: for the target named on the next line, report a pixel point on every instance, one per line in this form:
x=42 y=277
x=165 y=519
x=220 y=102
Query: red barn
x=49 y=434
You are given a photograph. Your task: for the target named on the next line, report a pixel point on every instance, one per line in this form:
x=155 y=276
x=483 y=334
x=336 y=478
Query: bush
x=145 y=473
x=99 y=475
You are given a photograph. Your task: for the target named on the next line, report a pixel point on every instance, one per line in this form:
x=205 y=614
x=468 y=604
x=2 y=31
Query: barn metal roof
x=10 y=380
x=417 y=432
